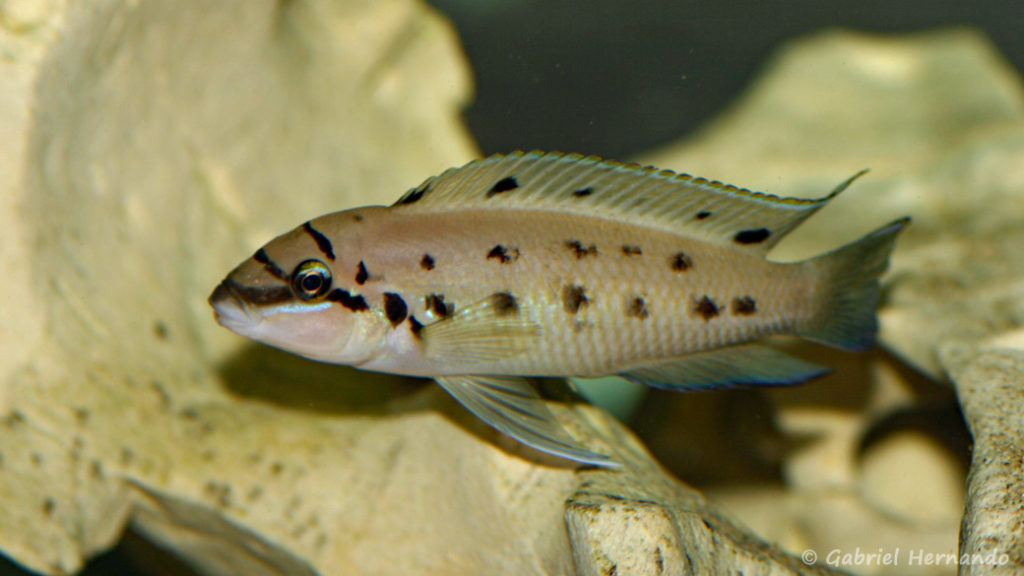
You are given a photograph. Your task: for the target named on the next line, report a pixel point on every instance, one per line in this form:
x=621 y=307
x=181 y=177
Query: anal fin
x=513 y=407
x=746 y=364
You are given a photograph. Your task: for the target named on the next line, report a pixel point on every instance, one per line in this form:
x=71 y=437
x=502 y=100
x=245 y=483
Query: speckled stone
x=990 y=384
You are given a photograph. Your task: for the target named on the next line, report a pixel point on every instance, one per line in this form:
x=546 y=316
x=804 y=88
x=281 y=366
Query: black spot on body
x=703 y=214
x=503 y=185
x=706 y=308
x=427 y=262
x=755 y=236
x=637 y=308
x=362 y=274
x=415 y=326
x=580 y=250
x=346 y=299
x=413 y=195
x=268 y=265
x=436 y=304
x=322 y=242
x=504 y=254
x=630 y=250
x=160 y=330
x=505 y=303
x=395 y=308
x=574 y=297
x=744 y=306
x=357 y=217
x=681 y=262
x=583 y=192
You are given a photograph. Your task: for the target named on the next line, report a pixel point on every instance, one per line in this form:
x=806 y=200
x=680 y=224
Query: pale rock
x=891 y=474
x=939 y=119
x=148 y=148
x=990 y=383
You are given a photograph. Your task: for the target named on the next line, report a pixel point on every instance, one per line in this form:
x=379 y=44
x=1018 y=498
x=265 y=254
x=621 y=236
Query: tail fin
x=849 y=284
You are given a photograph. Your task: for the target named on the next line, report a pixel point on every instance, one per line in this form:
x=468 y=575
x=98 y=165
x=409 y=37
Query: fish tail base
x=847 y=319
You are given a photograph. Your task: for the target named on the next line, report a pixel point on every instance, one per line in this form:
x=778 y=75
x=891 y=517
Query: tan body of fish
x=547 y=264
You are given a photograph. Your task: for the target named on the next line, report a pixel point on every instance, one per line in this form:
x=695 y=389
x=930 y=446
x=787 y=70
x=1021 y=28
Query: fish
x=537 y=263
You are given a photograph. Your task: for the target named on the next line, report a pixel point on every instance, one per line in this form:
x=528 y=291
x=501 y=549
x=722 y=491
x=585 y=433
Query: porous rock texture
x=939 y=120
x=149 y=146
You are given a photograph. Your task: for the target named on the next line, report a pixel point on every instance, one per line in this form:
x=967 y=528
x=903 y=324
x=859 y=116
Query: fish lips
x=229 y=307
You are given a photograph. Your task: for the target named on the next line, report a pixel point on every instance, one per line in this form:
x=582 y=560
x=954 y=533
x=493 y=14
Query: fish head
x=287 y=295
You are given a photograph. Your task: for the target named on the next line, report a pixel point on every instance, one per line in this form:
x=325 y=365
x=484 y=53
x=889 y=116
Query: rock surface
x=939 y=119
x=145 y=152
x=990 y=382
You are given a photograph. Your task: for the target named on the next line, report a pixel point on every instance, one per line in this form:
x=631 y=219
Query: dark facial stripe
x=269 y=265
x=744 y=306
x=346 y=299
x=706 y=308
x=427 y=262
x=436 y=304
x=322 y=242
x=504 y=254
x=362 y=274
x=261 y=295
x=681 y=262
x=503 y=185
x=395 y=308
x=755 y=236
x=580 y=250
x=637 y=308
x=574 y=297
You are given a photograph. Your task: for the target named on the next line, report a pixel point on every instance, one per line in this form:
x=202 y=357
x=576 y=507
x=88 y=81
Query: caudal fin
x=850 y=287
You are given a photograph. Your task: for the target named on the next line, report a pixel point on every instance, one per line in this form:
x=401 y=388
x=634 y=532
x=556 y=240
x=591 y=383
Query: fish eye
x=311 y=280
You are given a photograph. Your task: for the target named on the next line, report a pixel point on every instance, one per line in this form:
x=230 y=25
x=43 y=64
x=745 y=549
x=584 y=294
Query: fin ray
x=676 y=202
x=847 y=319
x=751 y=364
x=513 y=407
x=494 y=328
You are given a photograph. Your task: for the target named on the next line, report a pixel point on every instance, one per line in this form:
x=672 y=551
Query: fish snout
x=228 y=306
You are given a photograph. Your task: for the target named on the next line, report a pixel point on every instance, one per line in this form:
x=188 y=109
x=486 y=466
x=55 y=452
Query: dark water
x=614 y=78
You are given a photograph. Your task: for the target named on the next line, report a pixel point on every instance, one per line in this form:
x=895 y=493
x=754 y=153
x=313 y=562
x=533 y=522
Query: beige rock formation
x=146 y=151
x=939 y=119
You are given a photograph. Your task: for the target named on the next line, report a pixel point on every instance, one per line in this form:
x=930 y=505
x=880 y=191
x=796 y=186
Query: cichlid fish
x=536 y=263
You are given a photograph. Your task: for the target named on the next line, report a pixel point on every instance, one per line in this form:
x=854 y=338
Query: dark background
x=616 y=77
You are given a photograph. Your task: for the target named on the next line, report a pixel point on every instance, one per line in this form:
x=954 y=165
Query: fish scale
x=547 y=264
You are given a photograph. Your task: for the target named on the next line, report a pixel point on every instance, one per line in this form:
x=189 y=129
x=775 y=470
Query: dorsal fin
x=679 y=203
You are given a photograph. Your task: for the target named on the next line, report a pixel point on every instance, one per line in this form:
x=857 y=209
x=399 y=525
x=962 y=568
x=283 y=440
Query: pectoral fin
x=750 y=364
x=513 y=406
x=494 y=328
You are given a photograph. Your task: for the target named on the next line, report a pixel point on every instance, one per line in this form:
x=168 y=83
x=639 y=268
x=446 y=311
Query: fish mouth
x=229 y=309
